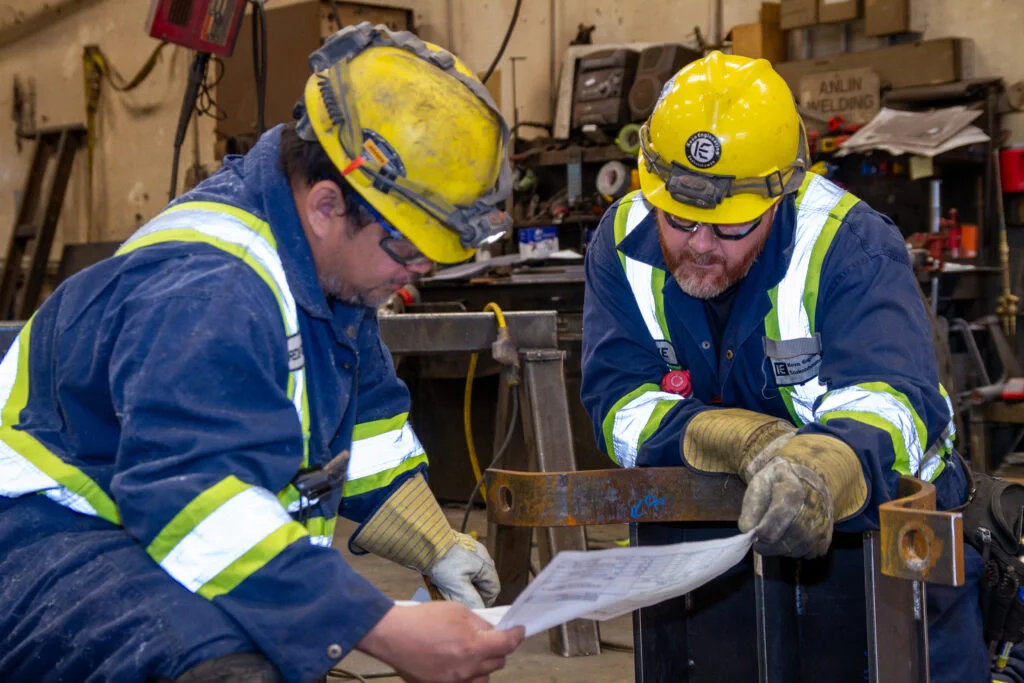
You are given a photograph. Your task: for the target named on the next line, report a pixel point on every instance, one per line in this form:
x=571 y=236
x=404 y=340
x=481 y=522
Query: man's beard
x=335 y=287
x=708 y=284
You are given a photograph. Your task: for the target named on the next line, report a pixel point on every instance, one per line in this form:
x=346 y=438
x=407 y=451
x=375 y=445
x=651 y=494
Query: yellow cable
x=468 y=399
x=496 y=309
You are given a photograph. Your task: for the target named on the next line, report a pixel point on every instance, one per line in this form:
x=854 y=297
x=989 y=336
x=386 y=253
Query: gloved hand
x=466 y=574
x=797 y=490
x=410 y=528
x=727 y=440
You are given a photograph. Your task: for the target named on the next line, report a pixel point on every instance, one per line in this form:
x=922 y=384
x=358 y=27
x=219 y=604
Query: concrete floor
x=533 y=662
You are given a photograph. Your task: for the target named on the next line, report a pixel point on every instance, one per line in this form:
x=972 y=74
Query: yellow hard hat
x=415 y=133
x=723 y=142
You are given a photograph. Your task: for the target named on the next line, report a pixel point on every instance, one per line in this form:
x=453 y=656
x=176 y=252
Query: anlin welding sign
x=851 y=93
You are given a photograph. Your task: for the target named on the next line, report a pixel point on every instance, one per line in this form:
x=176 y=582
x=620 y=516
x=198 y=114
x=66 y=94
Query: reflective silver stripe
x=630 y=421
x=887 y=407
x=639 y=274
x=943 y=445
x=18 y=476
x=9 y=372
x=229 y=532
x=934 y=456
x=819 y=198
x=382 y=452
x=945 y=440
x=322 y=541
x=300 y=504
x=229 y=229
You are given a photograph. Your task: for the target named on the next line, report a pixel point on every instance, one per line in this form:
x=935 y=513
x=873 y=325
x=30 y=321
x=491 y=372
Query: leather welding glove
x=795 y=494
x=730 y=439
x=410 y=528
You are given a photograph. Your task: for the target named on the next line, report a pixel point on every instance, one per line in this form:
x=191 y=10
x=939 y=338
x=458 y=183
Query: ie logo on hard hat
x=703 y=150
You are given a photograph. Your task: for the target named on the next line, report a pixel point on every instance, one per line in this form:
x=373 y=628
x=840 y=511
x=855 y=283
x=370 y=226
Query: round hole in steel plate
x=505 y=498
x=915 y=548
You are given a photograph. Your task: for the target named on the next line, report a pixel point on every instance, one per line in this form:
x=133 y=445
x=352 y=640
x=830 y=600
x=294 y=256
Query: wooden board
x=929 y=62
x=850 y=93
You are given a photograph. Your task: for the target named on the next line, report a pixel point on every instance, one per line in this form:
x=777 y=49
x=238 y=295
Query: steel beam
x=619 y=496
x=425 y=333
x=548 y=432
x=897 y=621
x=916 y=541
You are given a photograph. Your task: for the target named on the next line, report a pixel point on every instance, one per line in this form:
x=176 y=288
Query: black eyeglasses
x=394 y=242
x=727 y=231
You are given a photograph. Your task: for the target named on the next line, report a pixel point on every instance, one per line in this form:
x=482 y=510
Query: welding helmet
x=723 y=143
x=413 y=132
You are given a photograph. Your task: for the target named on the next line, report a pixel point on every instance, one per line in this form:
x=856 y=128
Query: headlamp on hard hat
x=707 y=190
x=477 y=224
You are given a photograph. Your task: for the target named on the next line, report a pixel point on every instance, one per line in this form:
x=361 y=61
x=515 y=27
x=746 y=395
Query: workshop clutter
x=616 y=87
x=1011 y=168
x=954 y=240
x=1011 y=172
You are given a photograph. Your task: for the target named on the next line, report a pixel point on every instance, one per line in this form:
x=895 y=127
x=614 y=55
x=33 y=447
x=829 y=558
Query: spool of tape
x=613 y=179
x=629 y=138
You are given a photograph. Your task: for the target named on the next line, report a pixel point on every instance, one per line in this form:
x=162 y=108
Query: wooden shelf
x=562 y=157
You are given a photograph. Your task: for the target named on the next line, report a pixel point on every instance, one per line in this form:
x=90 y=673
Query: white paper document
x=603 y=584
x=925 y=134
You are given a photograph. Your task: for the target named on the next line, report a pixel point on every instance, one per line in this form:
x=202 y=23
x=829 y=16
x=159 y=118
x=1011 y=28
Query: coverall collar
x=274 y=198
x=752 y=302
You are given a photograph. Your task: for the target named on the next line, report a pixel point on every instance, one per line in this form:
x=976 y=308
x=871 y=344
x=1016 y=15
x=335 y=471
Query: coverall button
x=334 y=651
x=351 y=332
x=705 y=345
x=729 y=354
x=346 y=365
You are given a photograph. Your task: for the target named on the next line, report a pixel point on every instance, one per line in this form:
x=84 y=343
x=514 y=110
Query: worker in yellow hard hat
x=196 y=411
x=746 y=316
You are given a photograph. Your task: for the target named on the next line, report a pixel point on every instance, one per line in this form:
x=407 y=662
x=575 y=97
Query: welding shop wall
x=135 y=130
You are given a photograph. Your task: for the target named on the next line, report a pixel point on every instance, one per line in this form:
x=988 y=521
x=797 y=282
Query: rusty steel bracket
x=917 y=542
x=617 y=496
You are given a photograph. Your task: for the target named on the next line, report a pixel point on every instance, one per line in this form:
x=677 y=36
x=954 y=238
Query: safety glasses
x=394 y=242
x=730 y=231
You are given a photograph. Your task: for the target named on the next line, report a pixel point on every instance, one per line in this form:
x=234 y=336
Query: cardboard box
x=832 y=11
x=888 y=17
x=851 y=93
x=929 y=62
x=761 y=40
x=798 y=13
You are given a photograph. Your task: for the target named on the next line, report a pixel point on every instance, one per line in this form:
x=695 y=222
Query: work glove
x=729 y=439
x=798 y=485
x=410 y=528
x=796 y=491
x=466 y=574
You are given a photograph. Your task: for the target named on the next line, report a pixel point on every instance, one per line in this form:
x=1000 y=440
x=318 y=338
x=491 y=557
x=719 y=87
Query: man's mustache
x=701 y=259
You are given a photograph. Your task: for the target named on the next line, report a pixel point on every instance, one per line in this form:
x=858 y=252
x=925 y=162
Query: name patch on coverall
x=666 y=351
x=295 y=358
x=793 y=361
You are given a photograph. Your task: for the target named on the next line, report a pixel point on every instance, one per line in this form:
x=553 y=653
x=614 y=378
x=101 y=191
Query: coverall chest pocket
x=793 y=361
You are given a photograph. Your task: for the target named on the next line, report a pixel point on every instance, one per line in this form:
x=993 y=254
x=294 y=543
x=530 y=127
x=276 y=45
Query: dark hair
x=299 y=158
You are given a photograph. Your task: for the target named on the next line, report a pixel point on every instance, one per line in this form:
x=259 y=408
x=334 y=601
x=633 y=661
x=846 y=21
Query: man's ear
x=325 y=208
